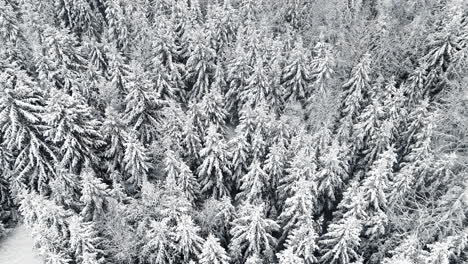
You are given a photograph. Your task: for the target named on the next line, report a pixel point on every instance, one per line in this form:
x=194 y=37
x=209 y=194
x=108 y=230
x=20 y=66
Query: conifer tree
x=333 y=173
x=117 y=24
x=258 y=86
x=299 y=208
x=141 y=106
x=302 y=241
x=238 y=72
x=84 y=241
x=213 y=252
x=340 y=243
x=296 y=74
x=251 y=232
x=136 y=161
x=287 y=256
x=353 y=96
x=115 y=136
x=254 y=183
x=212 y=107
x=73 y=128
x=94 y=195
x=188 y=242
x=200 y=67
x=322 y=66
x=239 y=153
x=21 y=114
x=157 y=247
x=214 y=171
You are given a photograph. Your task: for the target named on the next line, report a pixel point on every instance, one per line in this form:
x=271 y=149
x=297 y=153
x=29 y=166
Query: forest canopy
x=236 y=131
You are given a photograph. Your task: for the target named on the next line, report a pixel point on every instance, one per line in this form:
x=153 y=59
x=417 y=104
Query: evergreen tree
x=94 y=195
x=157 y=244
x=287 y=256
x=188 y=242
x=84 y=241
x=322 y=66
x=136 y=161
x=141 y=106
x=213 y=252
x=214 y=170
x=302 y=241
x=251 y=232
x=73 y=128
x=115 y=135
x=296 y=74
x=239 y=153
x=258 y=86
x=253 y=186
x=200 y=67
x=354 y=91
x=118 y=30
x=21 y=114
x=340 y=243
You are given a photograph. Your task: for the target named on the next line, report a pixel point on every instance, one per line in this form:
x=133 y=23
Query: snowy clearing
x=17 y=248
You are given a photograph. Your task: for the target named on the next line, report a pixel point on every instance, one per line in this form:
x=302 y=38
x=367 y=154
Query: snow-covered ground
x=17 y=248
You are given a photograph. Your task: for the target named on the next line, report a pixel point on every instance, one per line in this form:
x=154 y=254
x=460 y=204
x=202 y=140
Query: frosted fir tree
x=368 y=123
x=212 y=107
x=118 y=72
x=353 y=203
x=302 y=241
x=322 y=66
x=191 y=140
x=341 y=242
x=136 y=161
x=333 y=173
x=253 y=184
x=216 y=217
x=296 y=74
x=84 y=240
x=115 y=135
x=117 y=29
x=238 y=72
x=158 y=245
x=165 y=87
x=288 y=256
x=239 y=149
x=275 y=164
x=187 y=240
x=94 y=194
x=353 y=95
x=21 y=114
x=252 y=232
x=214 y=171
x=200 y=66
x=375 y=185
x=213 y=252
x=258 y=86
x=73 y=128
x=302 y=167
x=300 y=207
x=176 y=168
x=173 y=203
x=221 y=26
x=141 y=105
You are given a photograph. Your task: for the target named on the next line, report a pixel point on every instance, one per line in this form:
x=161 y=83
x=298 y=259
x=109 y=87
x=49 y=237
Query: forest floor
x=17 y=247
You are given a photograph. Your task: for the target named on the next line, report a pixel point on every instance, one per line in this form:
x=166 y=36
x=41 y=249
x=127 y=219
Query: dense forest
x=236 y=131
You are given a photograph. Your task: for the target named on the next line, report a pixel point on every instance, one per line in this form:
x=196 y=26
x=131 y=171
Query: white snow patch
x=17 y=248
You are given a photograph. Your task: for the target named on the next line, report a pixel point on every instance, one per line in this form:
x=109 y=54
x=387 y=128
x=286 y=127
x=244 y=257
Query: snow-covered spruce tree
x=239 y=149
x=340 y=244
x=79 y=16
x=302 y=241
x=200 y=66
x=141 y=105
x=238 y=72
x=299 y=208
x=48 y=223
x=118 y=73
x=191 y=141
x=164 y=85
x=136 y=161
x=176 y=168
x=322 y=66
x=94 y=195
x=188 y=242
x=213 y=252
x=253 y=184
x=333 y=173
x=115 y=136
x=214 y=172
x=354 y=91
x=252 y=233
x=216 y=217
x=257 y=88
x=375 y=185
x=212 y=107
x=296 y=74
x=221 y=27
x=72 y=127
x=117 y=28
x=158 y=246
x=288 y=256
x=275 y=165
x=85 y=242
x=21 y=113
